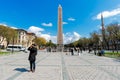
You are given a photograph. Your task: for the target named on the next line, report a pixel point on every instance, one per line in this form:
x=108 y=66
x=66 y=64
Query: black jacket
x=33 y=53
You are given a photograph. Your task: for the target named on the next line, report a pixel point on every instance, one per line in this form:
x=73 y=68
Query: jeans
x=32 y=65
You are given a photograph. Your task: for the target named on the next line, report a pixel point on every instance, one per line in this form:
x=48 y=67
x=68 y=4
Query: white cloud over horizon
x=71 y=19
x=47 y=24
x=8 y=26
x=14 y=27
x=107 y=14
x=71 y=37
x=35 y=30
x=67 y=37
x=3 y=24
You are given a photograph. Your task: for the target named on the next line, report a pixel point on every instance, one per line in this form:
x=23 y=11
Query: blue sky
x=80 y=17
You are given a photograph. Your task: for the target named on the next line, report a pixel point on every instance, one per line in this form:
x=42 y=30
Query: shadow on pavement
x=21 y=69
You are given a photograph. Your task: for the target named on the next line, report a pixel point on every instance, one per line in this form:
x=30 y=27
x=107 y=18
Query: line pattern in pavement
x=99 y=67
x=19 y=73
x=64 y=70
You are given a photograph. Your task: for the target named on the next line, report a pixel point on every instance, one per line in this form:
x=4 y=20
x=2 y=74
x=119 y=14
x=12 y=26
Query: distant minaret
x=103 y=32
x=60 y=31
x=102 y=23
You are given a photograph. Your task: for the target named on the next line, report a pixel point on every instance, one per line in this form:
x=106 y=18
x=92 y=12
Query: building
x=3 y=42
x=29 y=38
x=23 y=38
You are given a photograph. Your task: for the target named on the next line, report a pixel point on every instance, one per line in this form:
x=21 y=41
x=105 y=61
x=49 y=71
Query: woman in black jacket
x=32 y=57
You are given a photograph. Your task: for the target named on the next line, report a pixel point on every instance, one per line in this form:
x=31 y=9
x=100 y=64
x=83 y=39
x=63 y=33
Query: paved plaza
x=59 y=66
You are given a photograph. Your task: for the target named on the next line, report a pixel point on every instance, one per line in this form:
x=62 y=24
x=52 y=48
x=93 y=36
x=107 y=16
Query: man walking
x=32 y=57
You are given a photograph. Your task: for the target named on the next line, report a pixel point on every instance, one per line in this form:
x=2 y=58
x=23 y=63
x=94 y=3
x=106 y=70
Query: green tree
x=95 y=38
x=114 y=35
x=7 y=33
x=3 y=32
x=40 y=41
x=11 y=36
x=50 y=44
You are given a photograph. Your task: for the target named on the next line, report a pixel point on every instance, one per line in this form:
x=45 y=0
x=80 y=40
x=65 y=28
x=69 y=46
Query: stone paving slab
x=59 y=66
x=44 y=73
x=89 y=73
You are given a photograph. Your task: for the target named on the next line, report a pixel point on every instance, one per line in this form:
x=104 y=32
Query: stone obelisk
x=60 y=31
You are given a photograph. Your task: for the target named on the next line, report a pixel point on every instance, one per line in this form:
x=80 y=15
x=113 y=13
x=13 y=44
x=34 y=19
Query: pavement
x=59 y=66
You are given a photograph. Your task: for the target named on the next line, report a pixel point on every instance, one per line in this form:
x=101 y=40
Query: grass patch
x=4 y=53
x=112 y=55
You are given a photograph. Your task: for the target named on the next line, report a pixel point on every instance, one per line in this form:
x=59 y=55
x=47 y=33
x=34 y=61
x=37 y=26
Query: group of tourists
x=76 y=51
x=99 y=52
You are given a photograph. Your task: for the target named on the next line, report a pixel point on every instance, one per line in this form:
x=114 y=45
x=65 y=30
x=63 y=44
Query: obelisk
x=60 y=31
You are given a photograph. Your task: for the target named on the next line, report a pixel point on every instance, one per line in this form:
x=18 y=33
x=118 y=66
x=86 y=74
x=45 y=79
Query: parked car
x=22 y=49
x=15 y=48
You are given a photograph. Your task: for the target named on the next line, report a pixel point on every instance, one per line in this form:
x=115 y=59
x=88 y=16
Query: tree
x=50 y=44
x=95 y=38
x=7 y=33
x=11 y=36
x=40 y=41
x=3 y=32
x=114 y=35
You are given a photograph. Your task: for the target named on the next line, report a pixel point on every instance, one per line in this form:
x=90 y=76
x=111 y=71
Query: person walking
x=32 y=57
x=102 y=52
x=72 y=51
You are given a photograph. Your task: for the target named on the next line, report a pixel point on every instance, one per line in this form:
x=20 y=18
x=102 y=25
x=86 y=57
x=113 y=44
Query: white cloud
x=35 y=30
x=3 y=24
x=107 y=14
x=47 y=24
x=49 y=37
x=67 y=37
x=71 y=19
x=14 y=27
x=71 y=37
x=46 y=36
x=65 y=23
x=100 y=27
x=54 y=39
x=38 y=32
x=8 y=26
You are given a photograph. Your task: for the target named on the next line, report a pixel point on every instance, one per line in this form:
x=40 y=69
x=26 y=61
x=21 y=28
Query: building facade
x=25 y=38
x=29 y=38
x=21 y=37
x=3 y=42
